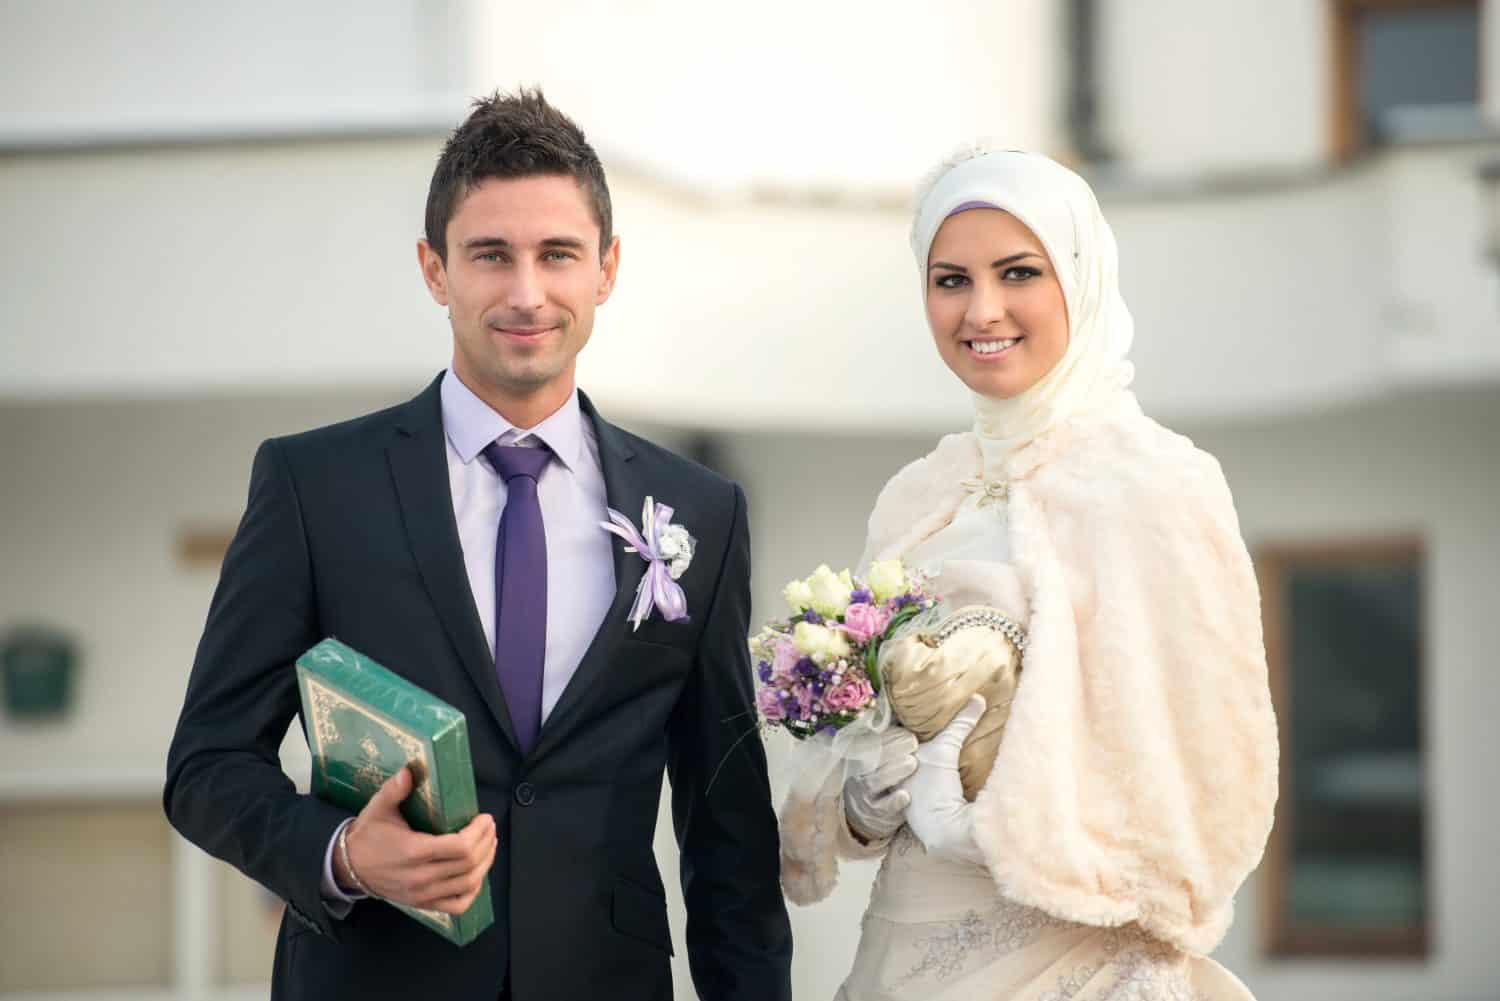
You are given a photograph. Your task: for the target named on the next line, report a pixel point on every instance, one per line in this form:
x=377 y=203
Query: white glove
x=939 y=815
x=874 y=803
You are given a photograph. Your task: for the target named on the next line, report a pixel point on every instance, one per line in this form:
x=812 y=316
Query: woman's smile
x=991 y=349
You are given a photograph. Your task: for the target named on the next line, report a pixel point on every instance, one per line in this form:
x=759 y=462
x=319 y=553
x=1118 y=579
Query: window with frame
x=1403 y=70
x=1346 y=869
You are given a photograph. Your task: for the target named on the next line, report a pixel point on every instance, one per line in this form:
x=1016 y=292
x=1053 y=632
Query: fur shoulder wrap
x=1136 y=779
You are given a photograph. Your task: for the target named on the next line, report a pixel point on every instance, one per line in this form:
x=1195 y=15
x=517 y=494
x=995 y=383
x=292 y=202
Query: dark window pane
x=1357 y=854
x=1417 y=58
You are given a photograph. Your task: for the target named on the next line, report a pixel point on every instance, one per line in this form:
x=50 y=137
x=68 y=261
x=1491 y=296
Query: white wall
x=836 y=94
x=94 y=61
x=282 y=266
x=817 y=96
x=93 y=501
x=1255 y=302
x=265 y=265
x=1441 y=302
x=1187 y=87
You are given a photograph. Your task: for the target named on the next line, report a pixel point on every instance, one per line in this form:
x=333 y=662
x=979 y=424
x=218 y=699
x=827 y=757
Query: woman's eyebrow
x=1002 y=262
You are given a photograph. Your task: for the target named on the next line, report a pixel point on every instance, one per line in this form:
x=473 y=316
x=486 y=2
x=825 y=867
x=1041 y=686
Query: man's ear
x=609 y=266
x=434 y=272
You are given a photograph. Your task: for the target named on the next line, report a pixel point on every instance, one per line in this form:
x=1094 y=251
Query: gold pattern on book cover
x=369 y=776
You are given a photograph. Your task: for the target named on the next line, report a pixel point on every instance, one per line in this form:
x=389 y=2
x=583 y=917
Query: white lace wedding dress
x=938 y=930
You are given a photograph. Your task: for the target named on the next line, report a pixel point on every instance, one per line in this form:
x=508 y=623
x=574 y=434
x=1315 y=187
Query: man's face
x=521 y=282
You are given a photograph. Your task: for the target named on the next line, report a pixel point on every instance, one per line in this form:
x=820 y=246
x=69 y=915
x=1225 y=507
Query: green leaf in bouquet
x=872 y=650
x=802 y=730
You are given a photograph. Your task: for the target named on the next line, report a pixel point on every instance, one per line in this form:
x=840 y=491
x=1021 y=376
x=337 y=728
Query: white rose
x=819 y=642
x=676 y=547
x=799 y=596
x=830 y=591
x=760 y=644
x=887 y=579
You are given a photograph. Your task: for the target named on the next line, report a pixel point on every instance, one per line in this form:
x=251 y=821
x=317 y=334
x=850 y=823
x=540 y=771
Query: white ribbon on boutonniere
x=667 y=550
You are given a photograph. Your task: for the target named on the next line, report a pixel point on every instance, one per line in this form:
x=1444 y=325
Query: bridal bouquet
x=819 y=668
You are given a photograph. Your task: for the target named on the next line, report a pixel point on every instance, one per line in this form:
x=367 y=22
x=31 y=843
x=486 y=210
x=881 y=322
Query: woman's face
x=994 y=304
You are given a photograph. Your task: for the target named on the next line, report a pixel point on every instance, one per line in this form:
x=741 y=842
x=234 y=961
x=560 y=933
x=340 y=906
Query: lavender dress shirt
x=580 y=567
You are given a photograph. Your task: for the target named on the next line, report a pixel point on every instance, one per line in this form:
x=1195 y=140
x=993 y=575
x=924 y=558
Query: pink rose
x=852 y=693
x=786 y=658
x=864 y=622
x=768 y=701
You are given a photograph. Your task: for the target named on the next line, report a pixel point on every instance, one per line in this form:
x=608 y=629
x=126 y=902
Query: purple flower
x=861 y=596
x=786 y=658
x=813 y=617
x=763 y=672
x=768 y=701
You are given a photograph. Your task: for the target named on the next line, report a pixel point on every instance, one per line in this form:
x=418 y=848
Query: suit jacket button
x=525 y=795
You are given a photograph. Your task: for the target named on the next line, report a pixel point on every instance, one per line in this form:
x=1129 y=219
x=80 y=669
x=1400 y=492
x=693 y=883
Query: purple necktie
x=521 y=588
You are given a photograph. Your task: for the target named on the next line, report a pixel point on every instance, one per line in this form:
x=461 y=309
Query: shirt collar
x=471 y=424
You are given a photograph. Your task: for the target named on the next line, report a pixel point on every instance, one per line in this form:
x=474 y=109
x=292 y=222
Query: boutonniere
x=667 y=550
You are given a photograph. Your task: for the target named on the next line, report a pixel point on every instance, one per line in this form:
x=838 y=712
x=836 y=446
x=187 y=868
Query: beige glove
x=874 y=802
x=939 y=815
x=929 y=675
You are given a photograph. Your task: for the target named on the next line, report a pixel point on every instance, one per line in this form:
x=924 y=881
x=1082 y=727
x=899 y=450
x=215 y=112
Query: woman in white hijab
x=1134 y=751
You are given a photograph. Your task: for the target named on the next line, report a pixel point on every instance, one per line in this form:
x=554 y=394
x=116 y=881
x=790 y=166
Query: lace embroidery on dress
x=904 y=842
x=1140 y=969
x=1006 y=929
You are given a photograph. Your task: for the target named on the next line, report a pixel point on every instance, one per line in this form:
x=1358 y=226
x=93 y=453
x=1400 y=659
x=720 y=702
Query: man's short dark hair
x=507 y=136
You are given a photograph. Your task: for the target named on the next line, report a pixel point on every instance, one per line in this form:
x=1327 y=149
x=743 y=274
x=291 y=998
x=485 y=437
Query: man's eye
x=557 y=255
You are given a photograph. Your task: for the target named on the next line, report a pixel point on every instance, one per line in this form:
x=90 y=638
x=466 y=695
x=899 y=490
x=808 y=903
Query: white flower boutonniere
x=668 y=552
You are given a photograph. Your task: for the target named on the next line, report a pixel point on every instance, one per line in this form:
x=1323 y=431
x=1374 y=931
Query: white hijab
x=1059 y=207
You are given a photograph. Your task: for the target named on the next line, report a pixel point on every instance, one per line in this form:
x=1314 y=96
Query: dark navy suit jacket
x=350 y=532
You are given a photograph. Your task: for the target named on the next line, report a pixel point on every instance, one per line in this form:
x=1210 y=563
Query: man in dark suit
x=456 y=539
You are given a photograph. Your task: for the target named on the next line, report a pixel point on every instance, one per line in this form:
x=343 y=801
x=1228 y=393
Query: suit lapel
x=625 y=492
x=417 y=456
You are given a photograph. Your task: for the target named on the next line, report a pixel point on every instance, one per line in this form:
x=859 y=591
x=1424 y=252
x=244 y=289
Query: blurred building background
x=209 y=213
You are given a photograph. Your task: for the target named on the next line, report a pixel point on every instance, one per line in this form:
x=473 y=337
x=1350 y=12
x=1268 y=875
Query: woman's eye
x=1019 y=273
x=951 y=281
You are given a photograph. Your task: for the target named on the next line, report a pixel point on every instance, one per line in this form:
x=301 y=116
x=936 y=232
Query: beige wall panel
x=86 y=896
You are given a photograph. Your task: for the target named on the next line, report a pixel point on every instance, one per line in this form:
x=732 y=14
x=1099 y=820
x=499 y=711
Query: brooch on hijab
x=990 y=491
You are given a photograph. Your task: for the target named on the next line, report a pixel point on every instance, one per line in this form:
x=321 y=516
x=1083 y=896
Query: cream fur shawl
x=1136 y=779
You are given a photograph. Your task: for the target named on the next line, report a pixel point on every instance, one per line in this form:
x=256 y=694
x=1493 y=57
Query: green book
x=363 y=723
